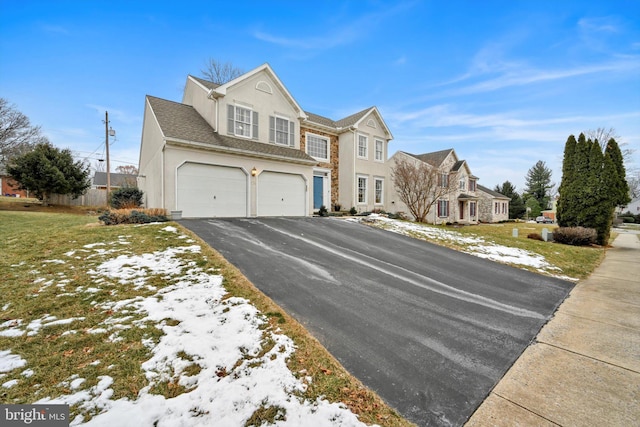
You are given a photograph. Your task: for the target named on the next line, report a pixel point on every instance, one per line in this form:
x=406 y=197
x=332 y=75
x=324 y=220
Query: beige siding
x=250 y=93
x=197 y=96
x=177 y=155
x=151 y=166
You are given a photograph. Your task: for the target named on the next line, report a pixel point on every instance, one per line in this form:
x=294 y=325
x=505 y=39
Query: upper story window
x=281 y=131
x=242 y=121
x=463 y=183
x=379 y=155
x=472 y=185
x=443 y=180
x=317 y=147
x=363 y=142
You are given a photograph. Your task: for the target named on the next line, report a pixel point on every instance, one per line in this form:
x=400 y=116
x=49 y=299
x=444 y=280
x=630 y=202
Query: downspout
x=162 y=183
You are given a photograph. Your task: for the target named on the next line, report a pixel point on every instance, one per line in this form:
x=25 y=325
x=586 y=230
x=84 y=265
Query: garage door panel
x=211 y=191
x=281 y=194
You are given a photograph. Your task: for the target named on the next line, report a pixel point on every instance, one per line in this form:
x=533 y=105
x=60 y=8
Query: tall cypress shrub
x=592 y=186
x=566 y=203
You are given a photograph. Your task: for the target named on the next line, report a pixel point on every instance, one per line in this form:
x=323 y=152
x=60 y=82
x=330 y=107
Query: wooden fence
x=93 y=197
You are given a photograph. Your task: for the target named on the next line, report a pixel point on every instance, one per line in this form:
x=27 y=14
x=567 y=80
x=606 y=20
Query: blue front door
x=318 y=182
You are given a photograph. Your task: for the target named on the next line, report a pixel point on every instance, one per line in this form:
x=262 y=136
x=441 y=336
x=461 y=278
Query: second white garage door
x=281 y=194
x=211 y=191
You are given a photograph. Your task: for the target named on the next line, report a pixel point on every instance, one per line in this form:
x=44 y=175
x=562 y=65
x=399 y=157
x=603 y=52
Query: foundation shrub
x=576 y=236
x=133 y=216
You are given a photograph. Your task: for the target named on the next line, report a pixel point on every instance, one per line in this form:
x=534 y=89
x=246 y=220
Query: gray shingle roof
x=315 y=118
x=457 y=165
x=336 y=124
x=352 y=119
x=182 y=122
x=117 y=179
x=205 y=83
x=434 y=159
x=491 y=192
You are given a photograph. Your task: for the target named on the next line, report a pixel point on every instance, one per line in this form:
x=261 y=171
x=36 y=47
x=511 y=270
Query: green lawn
x=46 y=273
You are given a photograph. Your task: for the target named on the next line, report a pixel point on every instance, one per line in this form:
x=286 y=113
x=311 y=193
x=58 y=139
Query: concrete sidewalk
x=584 y=367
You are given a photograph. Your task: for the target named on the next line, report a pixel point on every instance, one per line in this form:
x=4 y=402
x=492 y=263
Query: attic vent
x=264 y=87
x=371 y=123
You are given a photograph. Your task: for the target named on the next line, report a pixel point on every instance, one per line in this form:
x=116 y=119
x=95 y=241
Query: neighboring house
x=117 y=180
x=633 y=207
x=246 y=148
x=459 y=203
x=8 y=186
x=494 y=207
x=551 y=213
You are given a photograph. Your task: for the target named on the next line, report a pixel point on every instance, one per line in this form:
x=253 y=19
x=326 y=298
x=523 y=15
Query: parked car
x=544 y=220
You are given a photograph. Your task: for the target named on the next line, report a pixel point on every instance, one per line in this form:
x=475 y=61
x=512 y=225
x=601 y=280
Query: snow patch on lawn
x=9 y=362
x=476 y=245
x=218 y=349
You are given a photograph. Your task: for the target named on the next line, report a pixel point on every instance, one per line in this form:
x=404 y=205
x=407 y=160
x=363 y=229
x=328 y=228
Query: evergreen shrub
x=133 y=216
x=126 y=198
x=576 y=236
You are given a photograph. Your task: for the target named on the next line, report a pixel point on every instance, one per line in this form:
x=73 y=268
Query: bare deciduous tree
x=604 y=135
x=128 y=170
x=220 y=73
x=17 y=136
x=420 y=186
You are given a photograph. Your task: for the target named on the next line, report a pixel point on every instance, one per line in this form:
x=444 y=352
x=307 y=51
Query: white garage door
x=281 y=194
x=211 y=191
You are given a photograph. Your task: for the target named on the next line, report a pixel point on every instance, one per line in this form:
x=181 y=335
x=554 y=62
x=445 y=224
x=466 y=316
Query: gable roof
x=349 y=121
x=206 y=83
x=434 y=159
x=221 y=90
x=492 y=193
x=181 y=123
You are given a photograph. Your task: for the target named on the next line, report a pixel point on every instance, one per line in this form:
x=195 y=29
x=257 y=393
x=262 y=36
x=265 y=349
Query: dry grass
x=31 y=243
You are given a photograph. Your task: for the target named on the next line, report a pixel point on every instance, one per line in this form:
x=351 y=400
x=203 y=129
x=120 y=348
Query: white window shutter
x=255 y=125
x=230 y=119
x=272 y=129
x=292 y=132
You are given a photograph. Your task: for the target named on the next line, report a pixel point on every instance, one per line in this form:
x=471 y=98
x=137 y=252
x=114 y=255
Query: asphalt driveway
x=431 y=330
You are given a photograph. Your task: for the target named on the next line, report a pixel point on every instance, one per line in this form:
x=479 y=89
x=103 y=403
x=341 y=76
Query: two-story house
x=246 y=148
x=454 y=189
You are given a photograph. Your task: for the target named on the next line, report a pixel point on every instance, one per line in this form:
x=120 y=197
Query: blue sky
x=504 y=83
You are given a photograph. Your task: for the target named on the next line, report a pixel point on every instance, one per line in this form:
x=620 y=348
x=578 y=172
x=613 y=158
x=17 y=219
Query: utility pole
x=107 y=132
x=106 y=135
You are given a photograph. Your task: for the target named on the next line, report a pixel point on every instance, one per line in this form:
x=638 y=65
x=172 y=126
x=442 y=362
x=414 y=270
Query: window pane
x=378 y=195
x=379 y=150
x=362 y=146
x=317 y=147
x=243 y=122
x=282 y=131
x=362 y=190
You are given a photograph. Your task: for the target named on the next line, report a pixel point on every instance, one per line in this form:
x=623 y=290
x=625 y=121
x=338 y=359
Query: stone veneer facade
x=334 y=160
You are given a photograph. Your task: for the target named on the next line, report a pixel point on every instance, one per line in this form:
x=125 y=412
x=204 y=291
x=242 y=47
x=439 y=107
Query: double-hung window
x=472 y=209
x=363 y=142
x=443 y=180
x=317 y=147
x=463 y=183
x=379 y=187
x=242 y=121
x=472 y=185
x=443 y=208
x=379 y=155
x=281 y=131
x=362 y=189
